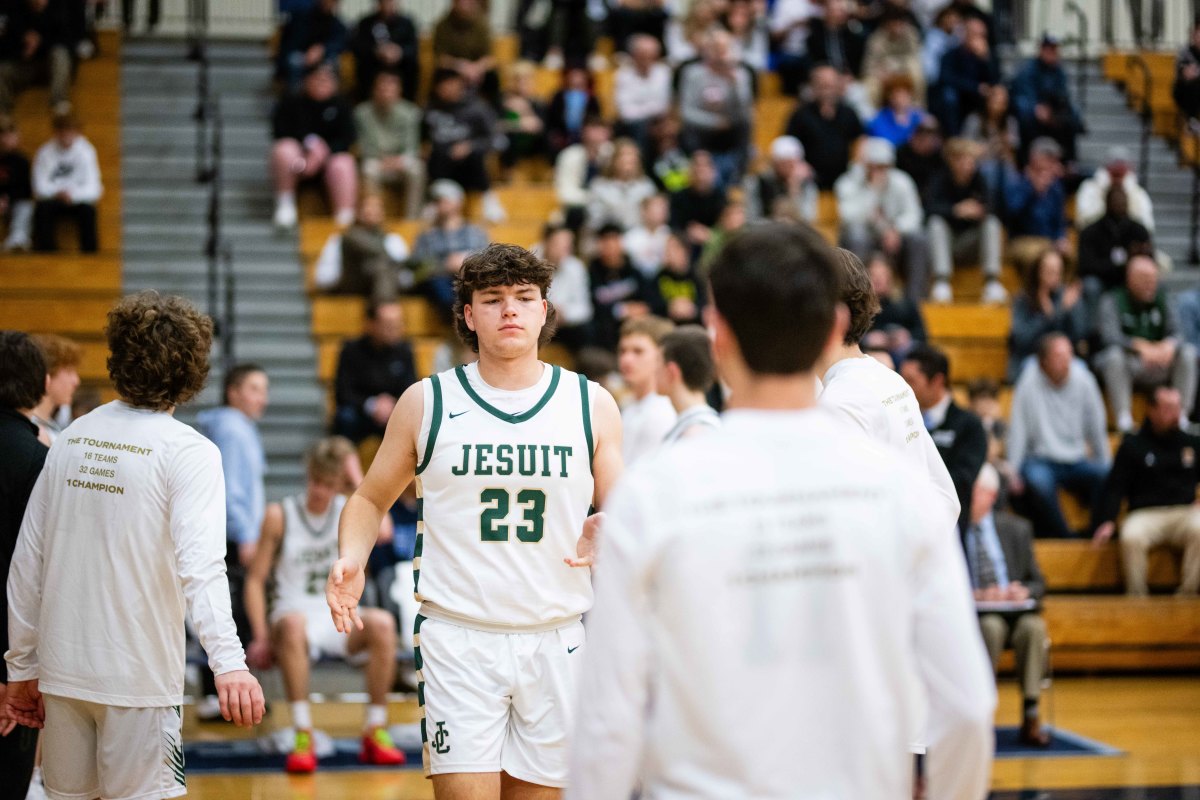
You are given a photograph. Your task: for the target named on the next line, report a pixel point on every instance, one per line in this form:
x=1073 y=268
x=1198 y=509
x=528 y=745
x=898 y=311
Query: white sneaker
x=344 y=217
x=942 y=293
x=994 y=292
x=493 y=211
x=37 y=789
x=14 y=243
x=1125 y=422
x=208 y=709
x=285 y=214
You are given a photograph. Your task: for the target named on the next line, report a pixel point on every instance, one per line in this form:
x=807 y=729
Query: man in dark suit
x=1005 y=576
x=958 y=433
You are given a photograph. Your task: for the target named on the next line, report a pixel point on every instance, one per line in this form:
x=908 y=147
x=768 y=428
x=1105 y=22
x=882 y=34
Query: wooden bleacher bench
x=70 y=293
x=1123 y=633
x=1076 y=566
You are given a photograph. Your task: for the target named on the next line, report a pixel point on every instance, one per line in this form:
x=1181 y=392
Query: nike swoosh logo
x=459 y=414
x=573 y=649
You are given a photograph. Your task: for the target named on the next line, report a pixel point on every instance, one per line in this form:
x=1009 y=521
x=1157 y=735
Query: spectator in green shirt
x=389 y=141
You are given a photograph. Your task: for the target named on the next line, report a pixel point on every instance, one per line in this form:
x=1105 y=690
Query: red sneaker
x=379 y=749
x=302 y=759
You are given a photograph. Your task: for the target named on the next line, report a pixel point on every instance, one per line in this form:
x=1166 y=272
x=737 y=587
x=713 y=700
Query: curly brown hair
x=501 y=265
x=857 y=294
x=158 y=349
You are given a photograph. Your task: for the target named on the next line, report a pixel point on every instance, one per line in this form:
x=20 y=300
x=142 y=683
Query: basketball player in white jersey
x=875 y=399
x=124 y=533
x=508 y=454
x=771 y=596
x=685 y=376
x=299 y=544
x=868 y=395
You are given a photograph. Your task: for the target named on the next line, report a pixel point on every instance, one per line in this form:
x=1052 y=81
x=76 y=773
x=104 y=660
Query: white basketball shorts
x=324 y=641
x=91 y=750
x=497 y=702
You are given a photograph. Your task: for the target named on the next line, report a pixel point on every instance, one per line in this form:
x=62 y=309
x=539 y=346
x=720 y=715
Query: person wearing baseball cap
x=1042 y=100
x=786 y=187
x=880 y=209
x=1116 y=171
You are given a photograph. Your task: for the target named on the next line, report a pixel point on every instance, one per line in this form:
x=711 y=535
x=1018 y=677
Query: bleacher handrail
x=1081 y=43
x=1192 y=131
x=1146 y=112
x=210 y=131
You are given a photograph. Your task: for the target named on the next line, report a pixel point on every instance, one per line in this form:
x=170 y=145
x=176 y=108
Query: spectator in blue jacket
x=1036 y=204
x=899 y=118
x=314 y=36
x=1043 y=101
x=967 y=76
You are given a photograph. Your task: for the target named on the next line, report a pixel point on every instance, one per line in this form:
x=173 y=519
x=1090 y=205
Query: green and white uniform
x=505 y=483
x=306 y=552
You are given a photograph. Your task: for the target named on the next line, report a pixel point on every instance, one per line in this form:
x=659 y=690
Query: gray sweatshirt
x=1057 y=423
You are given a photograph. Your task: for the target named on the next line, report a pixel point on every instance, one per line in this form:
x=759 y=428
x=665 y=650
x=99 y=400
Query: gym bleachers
x=1091 y=629
x=69 y=293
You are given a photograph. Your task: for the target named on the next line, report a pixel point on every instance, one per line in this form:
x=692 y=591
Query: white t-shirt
x=125 y=531
x=644 y=425
x=877 y=400
x=770 y=600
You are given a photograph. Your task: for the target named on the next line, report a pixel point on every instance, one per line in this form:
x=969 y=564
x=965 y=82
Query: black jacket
x=688 y=206
x=60 y=23
x=1105 y=246
x=23 y=459
x=15 y=177
x=827 y=142
x=921 y=168
x=372 y=31
x=365 y=369
x=610 y=289
x=299 y=116
x=962 y=443
x=851 y=43
x=1151 y=470
x=943 y=194
x=900 y=313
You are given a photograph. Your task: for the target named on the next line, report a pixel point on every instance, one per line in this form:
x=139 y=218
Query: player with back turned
x=772 y=596
x=123 y=535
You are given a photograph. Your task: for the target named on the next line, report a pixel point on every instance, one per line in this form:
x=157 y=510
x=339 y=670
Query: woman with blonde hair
x=616 y=195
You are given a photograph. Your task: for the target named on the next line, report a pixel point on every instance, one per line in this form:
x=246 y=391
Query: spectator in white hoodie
x=1117 y=170
x=642 y=90
x=880 y=209
x=66 y=181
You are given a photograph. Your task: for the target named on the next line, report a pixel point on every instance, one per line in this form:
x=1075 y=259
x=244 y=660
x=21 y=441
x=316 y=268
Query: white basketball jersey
x=308 y=550
x=502 y=501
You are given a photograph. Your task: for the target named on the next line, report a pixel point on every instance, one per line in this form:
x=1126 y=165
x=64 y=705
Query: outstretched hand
x=585 y=548
x=343 y=591
x=23 y=705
